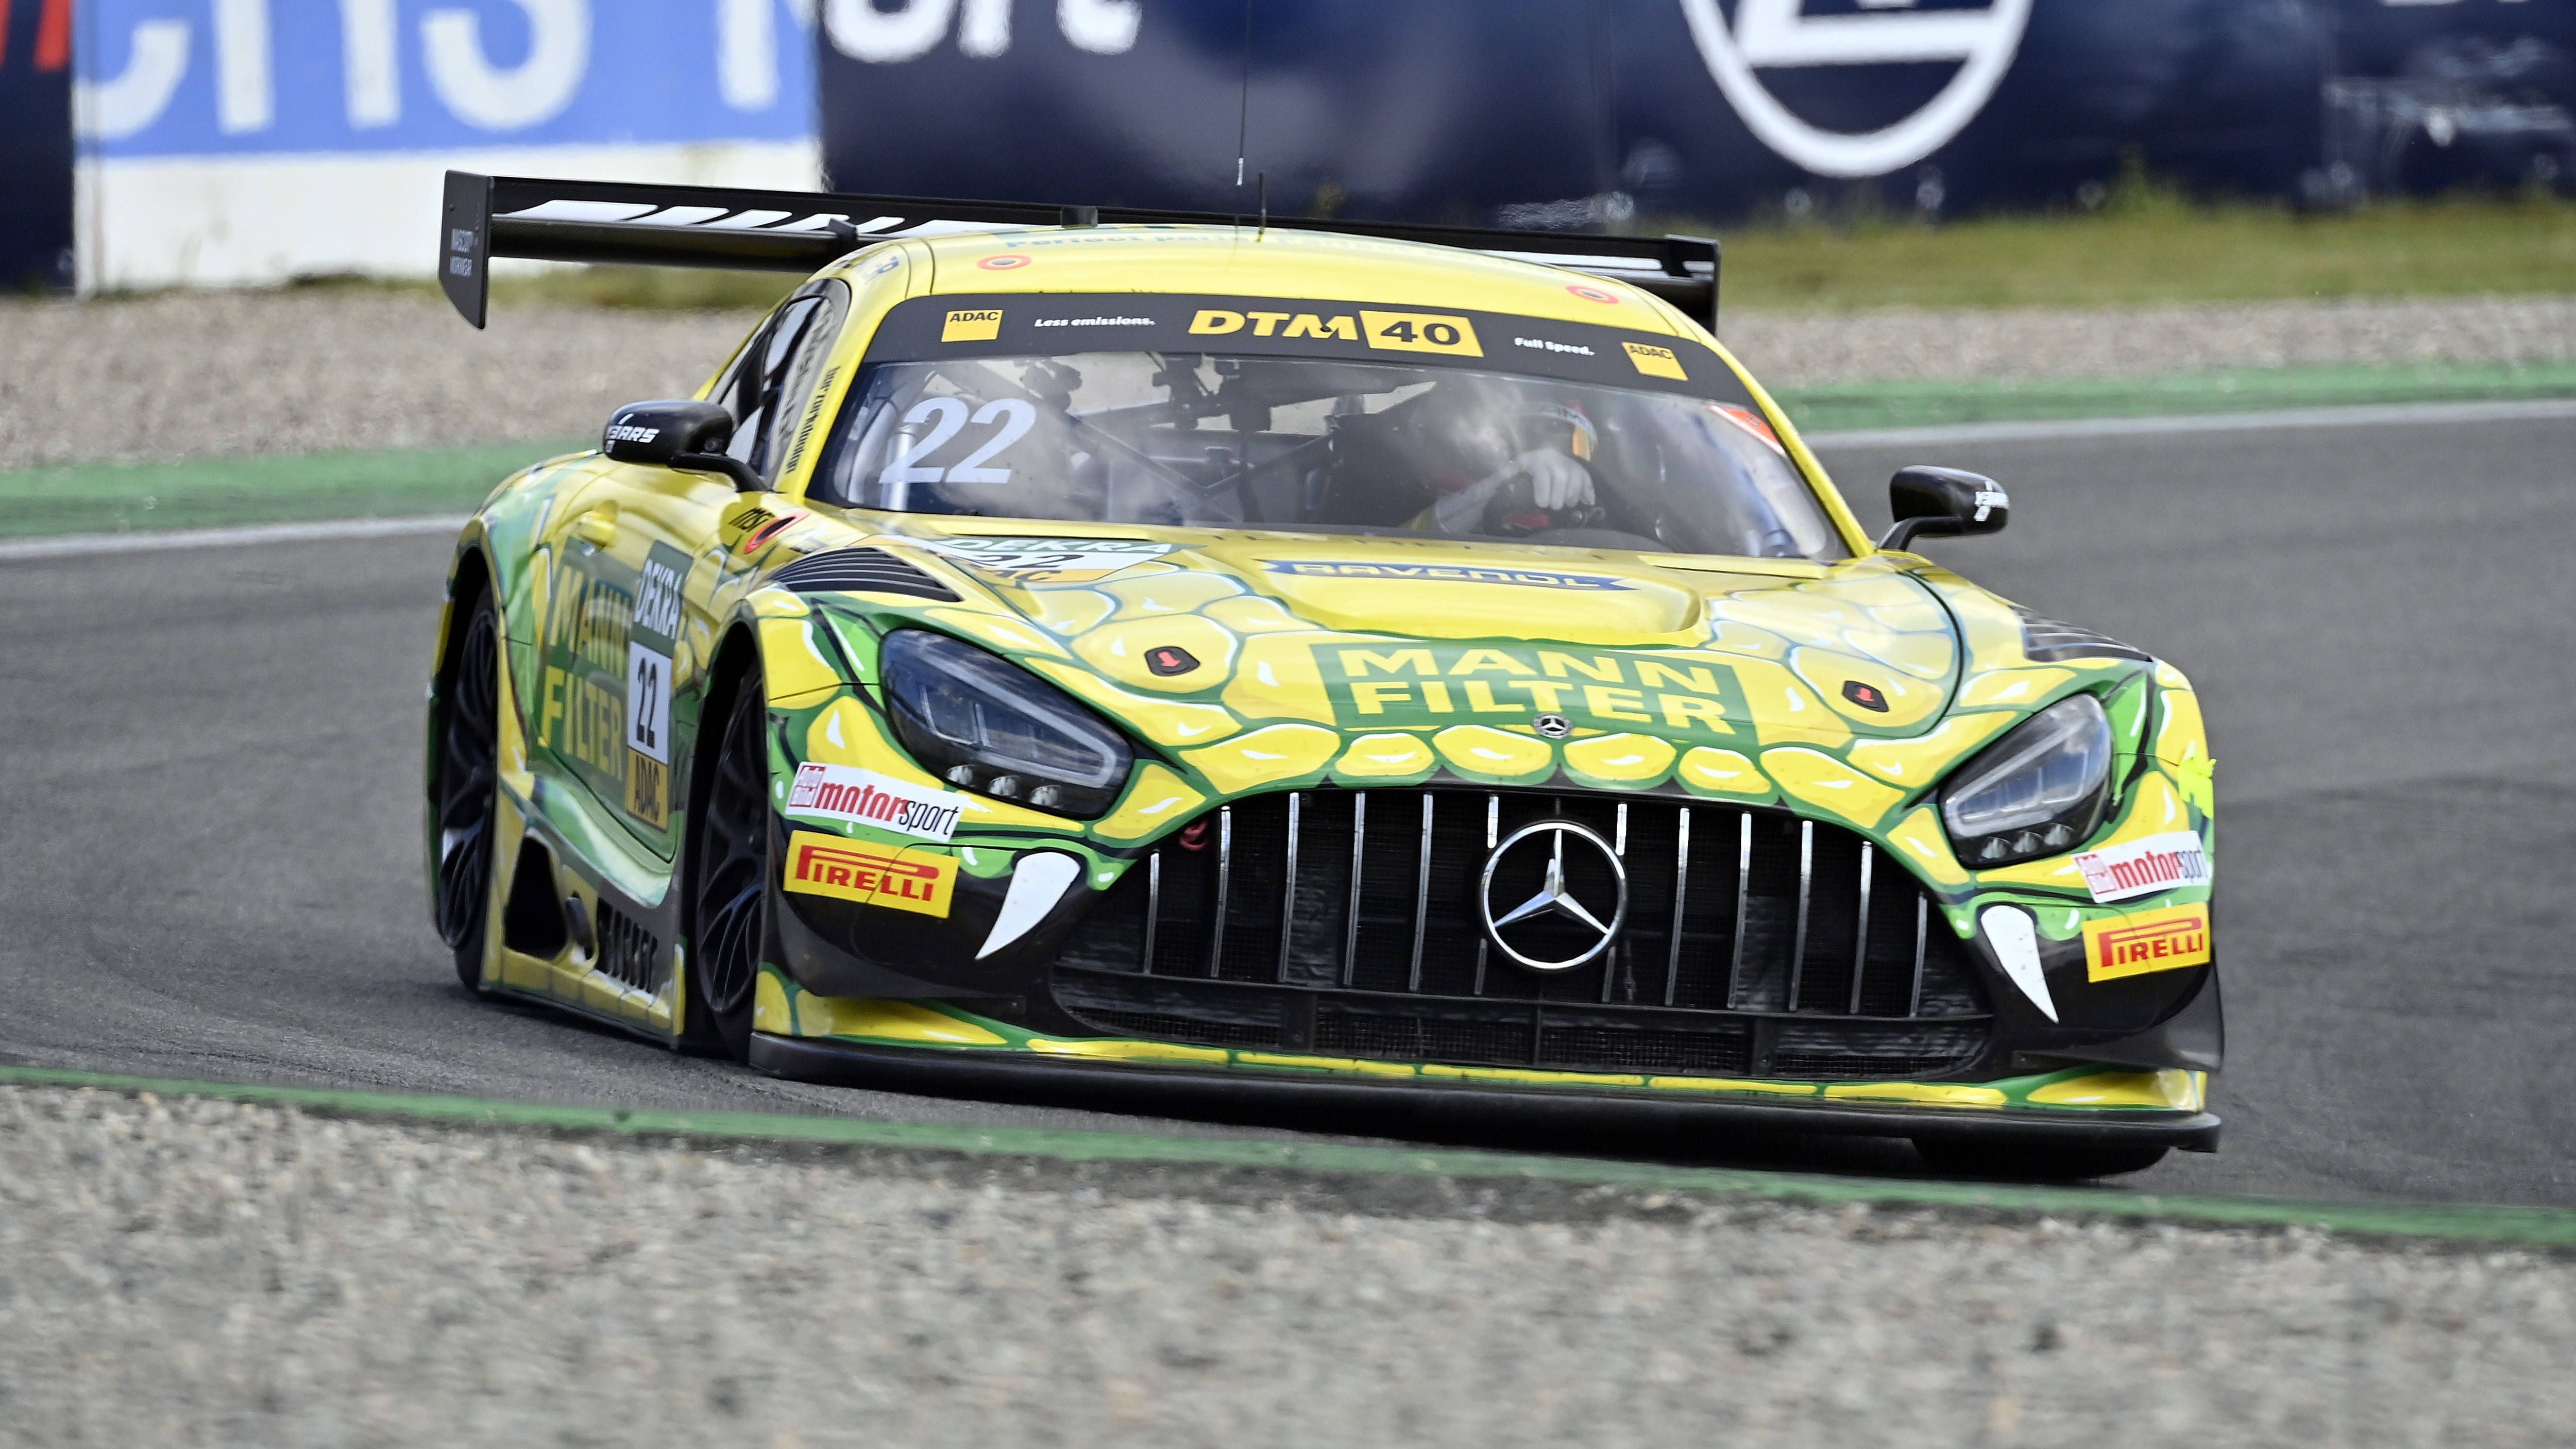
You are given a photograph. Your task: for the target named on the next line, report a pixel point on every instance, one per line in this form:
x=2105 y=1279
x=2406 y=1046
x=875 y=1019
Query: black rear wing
x=804 y=231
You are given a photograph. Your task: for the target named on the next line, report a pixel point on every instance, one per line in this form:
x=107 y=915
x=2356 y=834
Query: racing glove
x=1556 y=481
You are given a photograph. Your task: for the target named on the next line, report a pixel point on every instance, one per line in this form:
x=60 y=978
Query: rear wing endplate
x=803 y=231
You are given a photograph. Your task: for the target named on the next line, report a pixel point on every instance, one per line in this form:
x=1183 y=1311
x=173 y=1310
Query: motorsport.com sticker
x=1442 y=574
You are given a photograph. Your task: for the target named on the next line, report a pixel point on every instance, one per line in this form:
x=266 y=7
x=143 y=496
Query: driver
x=1495 y=447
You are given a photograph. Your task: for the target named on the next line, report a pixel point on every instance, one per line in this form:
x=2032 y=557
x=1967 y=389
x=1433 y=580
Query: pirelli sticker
x=2145 y=941
x=894 y=877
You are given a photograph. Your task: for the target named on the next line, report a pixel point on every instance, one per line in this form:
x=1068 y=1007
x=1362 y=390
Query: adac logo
x=1779 y=35
x=2144 y=941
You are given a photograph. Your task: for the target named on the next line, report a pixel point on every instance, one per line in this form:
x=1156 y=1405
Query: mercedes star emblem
x=1555 y=920
x=1554 y=726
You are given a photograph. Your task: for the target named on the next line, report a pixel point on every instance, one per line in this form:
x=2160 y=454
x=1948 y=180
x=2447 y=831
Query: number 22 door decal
x=650 y=645
x=605 y=706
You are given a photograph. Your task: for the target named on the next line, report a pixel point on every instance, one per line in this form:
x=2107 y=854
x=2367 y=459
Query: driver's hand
x=1556 y=481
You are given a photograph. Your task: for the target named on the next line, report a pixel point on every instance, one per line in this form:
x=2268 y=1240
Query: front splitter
x=1159 y=1088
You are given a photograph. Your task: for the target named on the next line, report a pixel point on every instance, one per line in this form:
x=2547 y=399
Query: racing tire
x=729 y=877
x=2007 y=1161
x=468 y=791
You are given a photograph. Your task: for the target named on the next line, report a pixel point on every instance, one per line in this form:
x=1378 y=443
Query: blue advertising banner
x=1591 y=112
x=161 y=78
x=35 y=144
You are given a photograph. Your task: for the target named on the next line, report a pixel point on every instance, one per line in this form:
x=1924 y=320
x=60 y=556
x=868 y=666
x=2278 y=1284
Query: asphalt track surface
x=210 y=821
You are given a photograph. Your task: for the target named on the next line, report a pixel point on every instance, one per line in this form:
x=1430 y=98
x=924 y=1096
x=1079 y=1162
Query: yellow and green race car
x=1292 y=659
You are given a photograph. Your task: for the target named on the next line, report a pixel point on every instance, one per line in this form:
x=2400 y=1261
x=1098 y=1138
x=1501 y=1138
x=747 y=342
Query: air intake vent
x=860 y=571
x=1338 y=921
x=2048 y=641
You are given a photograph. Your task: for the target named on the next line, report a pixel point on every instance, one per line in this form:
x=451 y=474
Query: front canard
x=2135 y=944
x=831 y=865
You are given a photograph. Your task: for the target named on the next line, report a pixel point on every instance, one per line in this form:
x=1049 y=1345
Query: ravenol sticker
x=1443 y=574
x=864 y=797
x=1423 y=685
x=2135 y=944
x=2144 y=867
x=1048 y=560
x=981 y=325
x=1656 y=361
x=828 y=865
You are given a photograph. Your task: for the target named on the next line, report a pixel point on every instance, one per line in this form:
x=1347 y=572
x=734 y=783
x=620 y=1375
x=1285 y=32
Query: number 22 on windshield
x=934 y=422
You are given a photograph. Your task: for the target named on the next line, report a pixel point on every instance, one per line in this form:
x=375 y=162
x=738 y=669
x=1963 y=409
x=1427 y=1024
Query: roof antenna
x=1265 y=207
x=1243 y=113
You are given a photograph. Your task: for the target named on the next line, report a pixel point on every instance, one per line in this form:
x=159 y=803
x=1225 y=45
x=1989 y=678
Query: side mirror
x=1943 y=503
x=689 y=436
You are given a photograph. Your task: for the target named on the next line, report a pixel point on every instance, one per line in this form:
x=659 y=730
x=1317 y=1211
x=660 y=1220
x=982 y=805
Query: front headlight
x=984 y=725
x=2037 y=791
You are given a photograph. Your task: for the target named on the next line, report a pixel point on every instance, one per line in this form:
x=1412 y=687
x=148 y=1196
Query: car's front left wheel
x=729 y=884
x=467 y=797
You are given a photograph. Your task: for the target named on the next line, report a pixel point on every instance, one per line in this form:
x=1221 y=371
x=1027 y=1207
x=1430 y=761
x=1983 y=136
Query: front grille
x=860 y=570
x=1344 y=922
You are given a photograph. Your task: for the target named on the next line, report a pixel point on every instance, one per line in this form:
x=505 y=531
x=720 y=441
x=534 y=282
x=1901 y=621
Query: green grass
x=2148 y=247
x=1926 y=404
x=2539 y=1227
x=117 y=497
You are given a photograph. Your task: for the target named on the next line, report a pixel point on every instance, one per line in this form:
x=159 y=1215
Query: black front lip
x=1163 y=1088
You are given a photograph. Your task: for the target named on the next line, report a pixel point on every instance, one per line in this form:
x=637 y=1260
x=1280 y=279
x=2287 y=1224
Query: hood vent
x=2049 y=641
x=860 y=571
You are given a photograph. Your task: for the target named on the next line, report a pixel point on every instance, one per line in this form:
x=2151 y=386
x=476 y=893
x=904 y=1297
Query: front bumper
x=1315 y=1015
x=1147 y=1084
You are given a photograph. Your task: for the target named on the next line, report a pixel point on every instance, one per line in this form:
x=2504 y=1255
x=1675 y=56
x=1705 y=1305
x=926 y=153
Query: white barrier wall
x=228 y=142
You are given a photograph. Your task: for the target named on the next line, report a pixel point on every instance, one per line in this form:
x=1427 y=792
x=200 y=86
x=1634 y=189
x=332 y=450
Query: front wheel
x=466 y=795
x=729 y=877
x=2017 y=1161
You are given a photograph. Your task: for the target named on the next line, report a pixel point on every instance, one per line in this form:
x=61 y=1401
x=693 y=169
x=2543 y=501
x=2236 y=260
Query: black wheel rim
x=466 y=753
x=733 y=870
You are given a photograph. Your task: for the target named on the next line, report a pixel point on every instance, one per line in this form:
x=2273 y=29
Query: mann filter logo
x=864 y=797
x=1507 y=684
x=827 y=865
x=982 y=325
x=2133 y=945
x=1779 y=35
x=1443 y=574
x=2144 y=867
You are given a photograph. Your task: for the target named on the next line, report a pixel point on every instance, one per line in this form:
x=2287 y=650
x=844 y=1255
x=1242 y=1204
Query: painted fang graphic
x=864 y=797
x=2143 y=867
x=827 y=865
x=2133 y=945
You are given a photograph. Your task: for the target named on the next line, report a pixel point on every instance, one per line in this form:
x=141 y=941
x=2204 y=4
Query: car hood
x=1260 y=660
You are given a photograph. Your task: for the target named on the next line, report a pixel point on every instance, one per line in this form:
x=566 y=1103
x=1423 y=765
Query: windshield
x=1226 y=439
